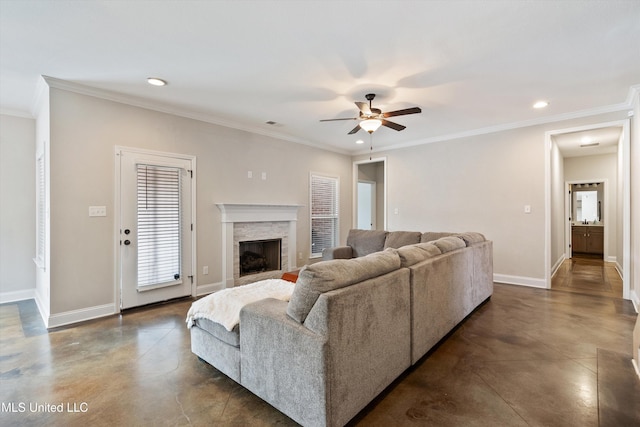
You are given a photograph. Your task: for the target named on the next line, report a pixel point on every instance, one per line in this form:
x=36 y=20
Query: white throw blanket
x=224 y=306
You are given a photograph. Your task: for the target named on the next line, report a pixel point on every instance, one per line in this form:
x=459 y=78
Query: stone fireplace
x=250 y=226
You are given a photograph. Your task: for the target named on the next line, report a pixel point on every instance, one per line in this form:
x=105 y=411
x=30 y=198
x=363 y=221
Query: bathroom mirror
x=587 y=202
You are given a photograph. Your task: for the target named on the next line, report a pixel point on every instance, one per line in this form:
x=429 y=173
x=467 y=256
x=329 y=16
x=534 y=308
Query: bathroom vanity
x=587 y=239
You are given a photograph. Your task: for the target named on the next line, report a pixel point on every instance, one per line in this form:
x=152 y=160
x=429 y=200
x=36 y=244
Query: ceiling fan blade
x=392 y=125
x=413 y=110
x=364 y=107
x=354 y=130
x=333 y=120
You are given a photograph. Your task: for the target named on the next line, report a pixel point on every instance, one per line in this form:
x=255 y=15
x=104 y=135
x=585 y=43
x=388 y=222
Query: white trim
x=626 y=206
x=13 y=296
x=118 y=149
x=81 y=315
x=520 y=280
x=245 y=212
x=354 y=190
x=180 y=112
x=208 y=118
x=557 y=264
x=635 y=366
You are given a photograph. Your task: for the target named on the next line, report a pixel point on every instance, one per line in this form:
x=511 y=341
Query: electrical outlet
x=264 y=176
x=527 y=209
x=205 y=270
x=249 y=174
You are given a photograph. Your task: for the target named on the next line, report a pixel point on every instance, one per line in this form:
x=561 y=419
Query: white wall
x=595 y=168
x=84 y=132
x=17 y=213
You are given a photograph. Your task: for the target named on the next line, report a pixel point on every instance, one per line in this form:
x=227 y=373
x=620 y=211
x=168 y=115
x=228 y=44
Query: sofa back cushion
x=448 y=244
x=413 y=254
x=325 y=276
x=365 y=242
x=398 y=239
x=472 y=237
x=430 y=236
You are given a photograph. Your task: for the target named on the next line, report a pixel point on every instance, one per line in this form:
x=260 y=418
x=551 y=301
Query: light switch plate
x=97 y=211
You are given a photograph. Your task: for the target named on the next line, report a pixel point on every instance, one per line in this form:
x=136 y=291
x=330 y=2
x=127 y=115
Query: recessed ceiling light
x=359 y=141
x=156 y=81
x=540 y=104
x=591 y=144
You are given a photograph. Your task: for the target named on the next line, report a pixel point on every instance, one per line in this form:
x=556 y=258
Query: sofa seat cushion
x=365 y=242
x=413 y=254
x=220 y=332
x=398 y=239
x=448 y=244
x=326 y=276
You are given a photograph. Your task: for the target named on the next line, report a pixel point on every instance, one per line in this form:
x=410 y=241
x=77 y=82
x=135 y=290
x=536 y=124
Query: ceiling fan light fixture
x=371 y=125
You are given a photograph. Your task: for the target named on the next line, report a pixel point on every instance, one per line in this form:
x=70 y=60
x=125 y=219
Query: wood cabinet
x=587 y=239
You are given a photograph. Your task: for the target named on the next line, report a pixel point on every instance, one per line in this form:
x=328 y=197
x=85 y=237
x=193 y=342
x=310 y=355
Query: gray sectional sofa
x=353 y=325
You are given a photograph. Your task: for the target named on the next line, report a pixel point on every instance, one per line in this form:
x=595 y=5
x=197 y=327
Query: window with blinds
x=41 y=212
x=324 y=213
x=159 y=226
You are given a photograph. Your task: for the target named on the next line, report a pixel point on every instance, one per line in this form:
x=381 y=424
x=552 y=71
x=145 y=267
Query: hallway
x=588 y=274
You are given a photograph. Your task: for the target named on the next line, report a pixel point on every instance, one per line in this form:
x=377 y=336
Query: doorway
x=557 y=227
x=154 y=235
x=366 y=205
x=370 y=194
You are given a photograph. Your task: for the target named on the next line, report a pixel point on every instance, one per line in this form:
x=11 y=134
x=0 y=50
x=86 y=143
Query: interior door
x=366 y=205
x=155 y=228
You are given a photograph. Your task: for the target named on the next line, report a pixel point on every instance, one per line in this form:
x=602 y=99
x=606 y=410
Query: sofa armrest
x=339 y=252
x=283 y=362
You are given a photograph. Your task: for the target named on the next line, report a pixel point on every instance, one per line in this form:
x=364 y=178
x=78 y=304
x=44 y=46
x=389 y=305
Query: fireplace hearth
x=257 y=256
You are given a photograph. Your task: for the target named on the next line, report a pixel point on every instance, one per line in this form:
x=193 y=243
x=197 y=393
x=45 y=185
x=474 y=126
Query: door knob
x=127 y=231
x=127 y=242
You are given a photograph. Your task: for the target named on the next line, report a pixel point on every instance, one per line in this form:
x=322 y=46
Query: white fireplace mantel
x=242 y=212
x=237 y=212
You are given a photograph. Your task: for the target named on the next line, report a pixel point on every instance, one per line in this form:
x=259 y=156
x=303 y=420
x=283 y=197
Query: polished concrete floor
x=528 y=357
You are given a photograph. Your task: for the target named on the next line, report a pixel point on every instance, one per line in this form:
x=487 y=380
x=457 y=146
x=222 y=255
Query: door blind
x=159 y=226
x=324 y=213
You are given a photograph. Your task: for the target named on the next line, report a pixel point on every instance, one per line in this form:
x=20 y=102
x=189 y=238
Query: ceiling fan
x=373 y=118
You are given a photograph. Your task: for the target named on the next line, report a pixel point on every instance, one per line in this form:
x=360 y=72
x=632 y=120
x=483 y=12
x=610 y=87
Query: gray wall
x=17 y=208
x=84 y=132
x=482 y=183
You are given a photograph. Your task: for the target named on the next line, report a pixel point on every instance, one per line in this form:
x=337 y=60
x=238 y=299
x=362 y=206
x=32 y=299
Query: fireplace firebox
x=257 y=256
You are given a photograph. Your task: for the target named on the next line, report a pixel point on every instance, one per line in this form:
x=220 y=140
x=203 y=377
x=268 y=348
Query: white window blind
x=159 y=226
x=324 y=213
x=41 y=212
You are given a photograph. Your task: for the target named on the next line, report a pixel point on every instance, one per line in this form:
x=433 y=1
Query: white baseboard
x=557 y=265
x=14 y=296
x=209 y=288
x=75 y=316
x=635 y=366
x=635 y=299
x=520 y=280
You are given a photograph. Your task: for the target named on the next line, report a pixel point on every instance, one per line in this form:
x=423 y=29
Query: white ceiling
x=606 y=138
x=472 y=66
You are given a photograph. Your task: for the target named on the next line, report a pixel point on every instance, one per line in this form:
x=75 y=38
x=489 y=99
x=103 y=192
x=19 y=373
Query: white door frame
x=354 y=214
x=118 y=217
x=568 y=214
x=625 y=173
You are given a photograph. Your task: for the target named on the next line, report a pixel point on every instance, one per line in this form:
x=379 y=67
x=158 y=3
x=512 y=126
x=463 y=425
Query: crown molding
x=135 y=101
x=515 y=125
x=16 y=113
